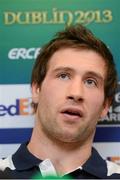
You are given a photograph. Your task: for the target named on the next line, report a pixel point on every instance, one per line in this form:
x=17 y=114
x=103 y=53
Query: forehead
x=78 y=60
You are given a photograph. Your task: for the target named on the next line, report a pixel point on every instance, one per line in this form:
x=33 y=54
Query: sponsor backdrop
x=25 y=25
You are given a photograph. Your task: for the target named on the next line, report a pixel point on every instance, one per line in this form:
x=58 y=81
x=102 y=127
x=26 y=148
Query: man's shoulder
x=112 y=168
x=6 y=163
x=101 y=167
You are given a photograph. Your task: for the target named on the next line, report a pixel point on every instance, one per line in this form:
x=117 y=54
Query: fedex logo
x=20 y=107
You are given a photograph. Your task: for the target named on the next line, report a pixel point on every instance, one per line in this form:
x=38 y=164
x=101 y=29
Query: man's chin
x=68 y=138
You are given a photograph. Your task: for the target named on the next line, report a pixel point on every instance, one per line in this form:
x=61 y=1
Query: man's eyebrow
x=88 y=73
x=67 y=69
x=95 y=74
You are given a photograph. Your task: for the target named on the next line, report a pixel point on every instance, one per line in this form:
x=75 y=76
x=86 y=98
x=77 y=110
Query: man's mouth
x=73 y=112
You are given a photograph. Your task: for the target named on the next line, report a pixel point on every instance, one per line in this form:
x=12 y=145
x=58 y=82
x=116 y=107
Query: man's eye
x=64 y=76
x=90 y=82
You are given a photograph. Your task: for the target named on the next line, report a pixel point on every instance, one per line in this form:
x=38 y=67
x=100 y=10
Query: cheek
x=97 y=102
x=44 y=99
x=47 y=97
x=52 y=92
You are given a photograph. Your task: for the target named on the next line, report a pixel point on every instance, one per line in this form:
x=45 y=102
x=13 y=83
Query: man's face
x=71 y=97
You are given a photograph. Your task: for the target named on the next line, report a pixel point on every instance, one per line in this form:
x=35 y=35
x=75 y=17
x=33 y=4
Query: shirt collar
x=23 y=159
x=95 y=165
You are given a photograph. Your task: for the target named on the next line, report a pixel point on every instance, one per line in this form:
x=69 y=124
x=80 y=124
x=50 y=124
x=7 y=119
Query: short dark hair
x=77 y=37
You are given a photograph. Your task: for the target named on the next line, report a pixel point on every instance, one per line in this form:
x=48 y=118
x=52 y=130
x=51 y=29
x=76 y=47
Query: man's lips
x=73 y=112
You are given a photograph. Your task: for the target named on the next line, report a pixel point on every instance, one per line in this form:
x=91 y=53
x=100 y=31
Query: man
x=4 y=175
x=73 y=85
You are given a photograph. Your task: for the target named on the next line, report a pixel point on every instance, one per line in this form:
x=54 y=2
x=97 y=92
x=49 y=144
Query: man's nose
x=76 y=91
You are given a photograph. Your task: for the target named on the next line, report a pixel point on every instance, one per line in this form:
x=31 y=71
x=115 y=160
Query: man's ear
x=35 y=93
x=106 y=107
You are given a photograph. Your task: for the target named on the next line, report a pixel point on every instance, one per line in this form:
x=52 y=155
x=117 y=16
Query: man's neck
x=65 y=157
